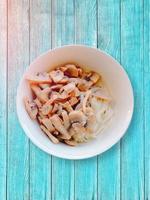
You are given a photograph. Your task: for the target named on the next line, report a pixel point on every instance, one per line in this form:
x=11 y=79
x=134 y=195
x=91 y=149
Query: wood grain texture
x=132 y=147
x=3 y=94
x=109 y=41
x=40 y=41
x=62 y=33
x=18 y=59
x=146 y=96
x=86 y=33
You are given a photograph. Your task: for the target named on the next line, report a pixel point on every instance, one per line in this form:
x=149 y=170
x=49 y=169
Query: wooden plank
x=3 y=101
x=147 y=95
x=132 y=148
x=18 y=59
x=62 y=33
x=40 y=41
x=109 y=41
x=86 y=33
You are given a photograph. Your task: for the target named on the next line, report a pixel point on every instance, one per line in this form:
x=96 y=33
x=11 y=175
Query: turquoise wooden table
x=30 y=27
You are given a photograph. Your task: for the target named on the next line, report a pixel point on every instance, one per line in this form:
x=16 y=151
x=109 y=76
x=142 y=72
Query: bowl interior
x=117 y=82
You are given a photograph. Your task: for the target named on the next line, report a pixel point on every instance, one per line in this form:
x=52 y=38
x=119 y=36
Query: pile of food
x=70 y=104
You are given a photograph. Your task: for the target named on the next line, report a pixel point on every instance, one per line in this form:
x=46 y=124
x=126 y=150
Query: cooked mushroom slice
x=87 y=95
x=63 y=96
x=40 y=114
x=31 y=108
x=56 y=87
x=60 y=109
x=39 y=78
x=84 y=85
x=77 y=116
x=80 y=71
x=48 y=124
x=38 y=103
x=56 y=121
x=94 y=77
x=56 y=75
x=46 y=109
x=73 y=101
x=71 y=70
x=67 y=106
x=77 y=92
x=52 y=138
x=44 y=85
x=74 y=80
x=55 y=108
x=39 y=118
x=70 y=142
x=86 y=75
x=66 y=121
x=81 y=133
x=63 y=68
x=42 y=95
x=68 y=88
x=64 y=80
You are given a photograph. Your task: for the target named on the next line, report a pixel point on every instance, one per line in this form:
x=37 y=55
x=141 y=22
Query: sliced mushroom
x=87 y=95
x=39 y=118
x=70 y=142
x=52 y=138
x=74 y=80
x=77 y=117
x=73 y=101
x=64 y=95
x=86 y=75
x=68 y=88
x=95 y=77
x=66 y=121
x=53 y=97
x=56 y=87
x=80 y=133
x=48 y=124
x=60 y=109
x=72 y=131
x=56 y=76
x=75 y=93
x=31 y=108
x=80 y=71
x=55 y=108
x=63 y=68
x=44 y=85
x=38 y=103
x=56 y=121
x=64 y=80
x=46 y=109
x=67 y=106
x=41 y=115
x=84 y=85
x=42 y=95
x=71 y=70
x=39 y=78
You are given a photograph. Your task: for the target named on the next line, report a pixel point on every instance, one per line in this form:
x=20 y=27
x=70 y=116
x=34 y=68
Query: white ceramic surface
x=117 y=82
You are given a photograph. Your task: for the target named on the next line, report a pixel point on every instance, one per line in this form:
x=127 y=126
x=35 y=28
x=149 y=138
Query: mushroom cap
x=77 y=116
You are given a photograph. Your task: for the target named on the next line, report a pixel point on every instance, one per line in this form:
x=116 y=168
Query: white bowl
x=117 y=81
